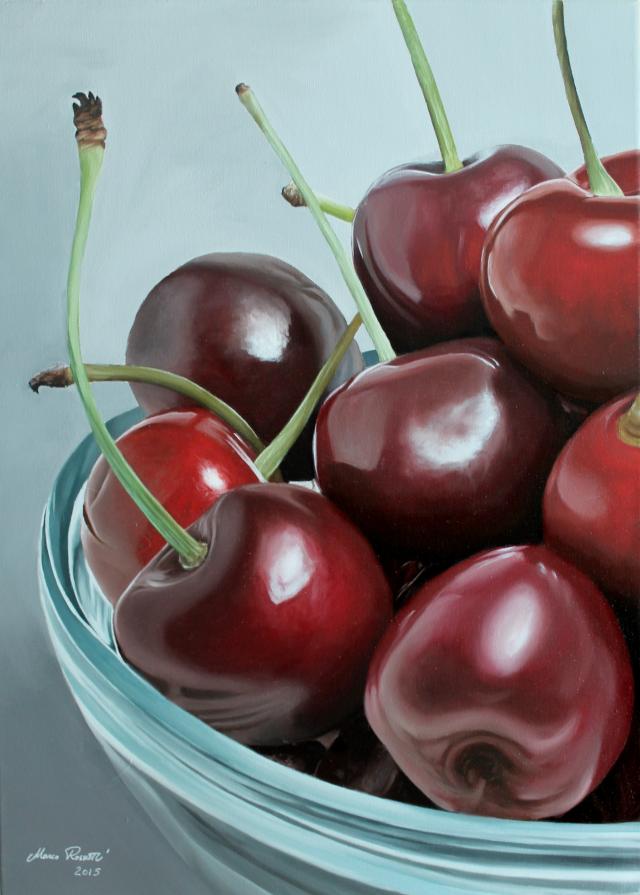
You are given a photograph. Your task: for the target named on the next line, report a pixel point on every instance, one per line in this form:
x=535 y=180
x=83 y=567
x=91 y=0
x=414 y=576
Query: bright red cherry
x=269 y=639
x=624 y=167
x=504 y=687
x=592 y=500
x=573 y=319
x=560 y=277
x=439 y=453
x=187 y=458
x=249 y=328
x=418 y=235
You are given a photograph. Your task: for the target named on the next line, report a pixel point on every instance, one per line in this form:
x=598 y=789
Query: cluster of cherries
x=466 y=566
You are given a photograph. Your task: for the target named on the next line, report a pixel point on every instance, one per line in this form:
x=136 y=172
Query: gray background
x=187 y=172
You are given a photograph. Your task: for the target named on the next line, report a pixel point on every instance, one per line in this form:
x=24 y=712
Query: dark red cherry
x=441 y=452
x=592 y=502
x=504 y=687
x=417 y=241
x=187 y=458
x=252 y=330
x=269 y=639
x=617 y=799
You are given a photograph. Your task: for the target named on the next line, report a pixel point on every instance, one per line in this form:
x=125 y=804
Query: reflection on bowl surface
x=253 y=827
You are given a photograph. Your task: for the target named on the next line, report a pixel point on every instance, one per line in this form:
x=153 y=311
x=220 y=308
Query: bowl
x=253 y=827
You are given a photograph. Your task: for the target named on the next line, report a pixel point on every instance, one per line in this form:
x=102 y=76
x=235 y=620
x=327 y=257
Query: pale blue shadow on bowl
x=253 y=827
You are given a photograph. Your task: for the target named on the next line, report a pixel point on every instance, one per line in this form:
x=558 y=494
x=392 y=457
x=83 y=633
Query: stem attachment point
x=429 y=88
x=629 y=424
x=600 y=181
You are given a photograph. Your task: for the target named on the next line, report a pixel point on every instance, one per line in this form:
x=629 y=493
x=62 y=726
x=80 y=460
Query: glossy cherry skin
x=560 y=282
x=252 y=330
x=504 y=687
x=440 y=452
x=617 y=799
x=270 y=638
x=187 y=458
x=624 y=167
x=591 y=504
x=417 y=241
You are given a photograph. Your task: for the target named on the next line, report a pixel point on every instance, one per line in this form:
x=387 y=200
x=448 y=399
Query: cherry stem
x=271 y=458
x=90 y=137
x=378 y=336
x=429 y=88
x=629 y=424
x=292 y=195
x=62 y=377
x=600 y=181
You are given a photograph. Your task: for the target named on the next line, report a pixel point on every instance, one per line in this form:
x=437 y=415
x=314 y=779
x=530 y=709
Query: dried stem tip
x=87 y=117
x=56 y=377
x=292 y=194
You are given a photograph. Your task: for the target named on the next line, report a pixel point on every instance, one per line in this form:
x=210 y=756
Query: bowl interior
x=371 y=840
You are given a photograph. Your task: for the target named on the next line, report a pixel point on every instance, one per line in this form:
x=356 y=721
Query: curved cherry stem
x=271 y=458
x=378 y=335
x=90 y=136
x=600 y=181
x=429 y=88
x=292 y=195
x=629 y=424
x=62 y=377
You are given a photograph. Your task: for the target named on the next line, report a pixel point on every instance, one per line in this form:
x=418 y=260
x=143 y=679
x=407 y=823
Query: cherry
x=188 y=458
x=439 y=453
x=418 y=231
x=249 y=328
x=592 y=499
x=264 y=622
x=617 y=798
x=418 y=235
x=573 y=319
x=624 y=167
x=504 y=686
x=270 y=637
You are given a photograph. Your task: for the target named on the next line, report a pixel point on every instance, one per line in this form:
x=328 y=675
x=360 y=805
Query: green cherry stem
x=429 y=88
x=372 y=325
x=90 y=137
x=271 y=458
x=61 y=377
x=629 y=424
x=292 y=195
x=600 y=181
